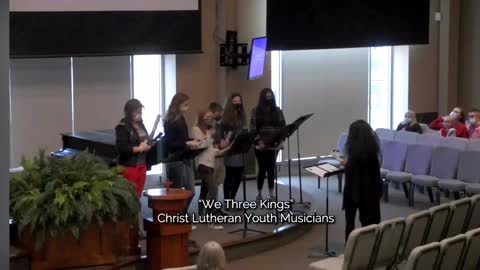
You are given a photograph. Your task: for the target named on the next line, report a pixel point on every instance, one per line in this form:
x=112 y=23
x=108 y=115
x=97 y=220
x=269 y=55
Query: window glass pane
x=380 y=87
x=276 y=77
x=147 y=87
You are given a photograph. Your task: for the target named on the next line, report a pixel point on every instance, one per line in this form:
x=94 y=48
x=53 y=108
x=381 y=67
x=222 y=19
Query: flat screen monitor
x=257 y=58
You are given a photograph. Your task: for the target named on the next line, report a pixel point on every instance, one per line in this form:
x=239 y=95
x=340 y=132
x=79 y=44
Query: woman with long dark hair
x=234 y=121
x=181 y=172
x=266 y=117
x=132 y=144
x=363 y=184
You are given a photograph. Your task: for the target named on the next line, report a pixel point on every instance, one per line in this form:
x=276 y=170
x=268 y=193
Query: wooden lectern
x=167 y=244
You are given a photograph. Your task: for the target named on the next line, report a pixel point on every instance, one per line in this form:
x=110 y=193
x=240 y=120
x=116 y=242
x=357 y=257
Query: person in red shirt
x=457 y=113
x=474 y=124
x=454 y=128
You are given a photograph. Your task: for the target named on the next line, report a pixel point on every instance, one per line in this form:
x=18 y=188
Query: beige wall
x=469 y=68
x=197 y=73
x=200 y=75
x=448 y=56
x=423 y=69
x=445 y=73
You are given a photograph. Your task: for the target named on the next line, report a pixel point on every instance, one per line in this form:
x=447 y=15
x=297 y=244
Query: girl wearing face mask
x=177 y=140
x=132 y=145
x=266 y=116
x=410 y=123
x=233 y=122
x=204 y=131
x=458 y=115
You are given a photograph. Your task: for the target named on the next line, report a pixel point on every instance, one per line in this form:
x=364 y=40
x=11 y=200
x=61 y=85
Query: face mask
x=137 y=118
x=237 y=106
x=269 y=100
x=453 y=114
x=210 y=122
x=184 y=108
x=472 y=121
x=408 y=120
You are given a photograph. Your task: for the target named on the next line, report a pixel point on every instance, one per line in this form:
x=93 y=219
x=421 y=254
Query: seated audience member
x=457 y=113
x=452 y=128
x=211 y=257
x=410 y=123
x=473 y=124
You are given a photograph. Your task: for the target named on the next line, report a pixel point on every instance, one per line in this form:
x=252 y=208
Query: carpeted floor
x=295 y=255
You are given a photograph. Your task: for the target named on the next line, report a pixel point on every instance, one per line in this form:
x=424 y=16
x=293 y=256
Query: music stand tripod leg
x=245 y=228
x=289 y=170
x=301 y=202
x=327 y=252
x=276 y=193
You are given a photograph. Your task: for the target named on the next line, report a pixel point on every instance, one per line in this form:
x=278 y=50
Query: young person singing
x=204 y=132
x=266 y=116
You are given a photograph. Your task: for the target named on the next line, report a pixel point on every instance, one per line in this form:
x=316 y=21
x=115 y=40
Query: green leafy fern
x=57 y=196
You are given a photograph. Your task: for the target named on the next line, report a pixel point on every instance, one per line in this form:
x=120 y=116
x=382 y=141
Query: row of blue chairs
x=433 y=139
x=427 y=161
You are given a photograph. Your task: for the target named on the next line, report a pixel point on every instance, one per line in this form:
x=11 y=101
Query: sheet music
x=328 y=167
x=204 y=144
x=16 y=170
x=337 y=155
x=317 y=171
x=155 y=126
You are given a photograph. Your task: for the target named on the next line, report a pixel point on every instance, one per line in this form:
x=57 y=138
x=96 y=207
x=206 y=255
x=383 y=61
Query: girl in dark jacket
x=132 y=143
x=177 y=140
x=266 y=117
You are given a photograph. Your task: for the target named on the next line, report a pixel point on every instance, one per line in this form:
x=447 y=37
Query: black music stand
x=241 y=145
x=275 y=138
x=327 y=252
x=156 y=155
x=292 y=128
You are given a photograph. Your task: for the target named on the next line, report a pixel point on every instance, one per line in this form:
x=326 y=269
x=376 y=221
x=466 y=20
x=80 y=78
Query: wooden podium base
x=167 y=244
x=167 y=251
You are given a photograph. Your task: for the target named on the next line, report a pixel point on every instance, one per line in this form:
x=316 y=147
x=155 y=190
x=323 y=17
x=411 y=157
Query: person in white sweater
x=204 y=131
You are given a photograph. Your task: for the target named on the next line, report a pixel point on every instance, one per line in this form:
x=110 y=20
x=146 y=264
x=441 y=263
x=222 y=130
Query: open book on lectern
x=323 y=170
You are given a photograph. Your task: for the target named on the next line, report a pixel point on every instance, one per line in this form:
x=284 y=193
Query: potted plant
x=68 y=210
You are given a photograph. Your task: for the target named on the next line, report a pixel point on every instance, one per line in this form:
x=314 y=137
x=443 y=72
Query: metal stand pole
x=306 y=204
x=245 y=228
x=289 y=170
x=327 y=253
